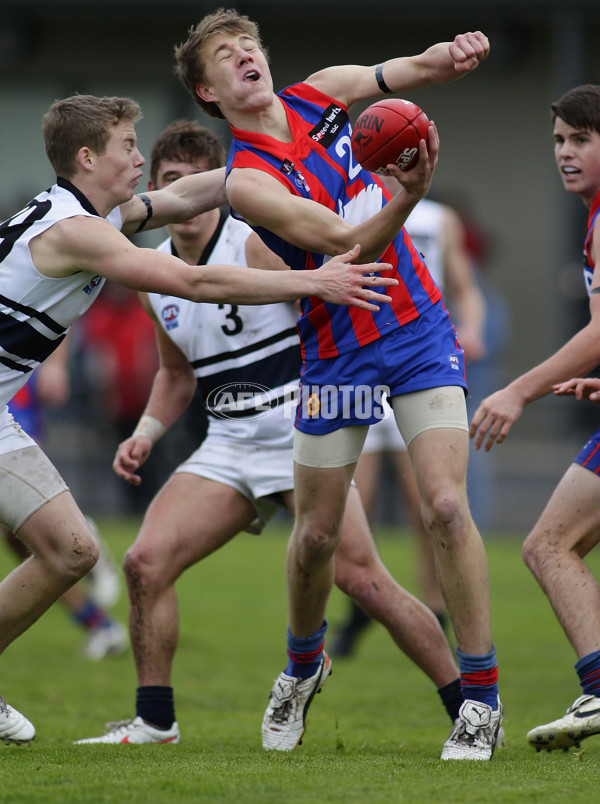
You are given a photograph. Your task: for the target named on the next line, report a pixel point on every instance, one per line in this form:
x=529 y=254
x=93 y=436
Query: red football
x=389 y=132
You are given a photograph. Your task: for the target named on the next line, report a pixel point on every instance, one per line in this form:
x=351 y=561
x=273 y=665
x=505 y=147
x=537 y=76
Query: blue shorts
x=348 y=390
x=589 y=457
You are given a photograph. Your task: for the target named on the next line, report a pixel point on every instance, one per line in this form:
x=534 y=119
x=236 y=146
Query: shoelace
x=282 y=713
x=484 y=735
x=116 y=725
x=4 y=706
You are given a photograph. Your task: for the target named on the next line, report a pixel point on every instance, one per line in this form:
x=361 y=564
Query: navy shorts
x=589 y=457
x=348 y=390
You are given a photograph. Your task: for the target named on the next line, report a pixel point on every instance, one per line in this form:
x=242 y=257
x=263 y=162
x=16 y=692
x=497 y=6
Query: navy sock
x=305 y=653
x=479 y=677
x=452 y=698
x=588 y=670
x=90 y=616
x=156 y=706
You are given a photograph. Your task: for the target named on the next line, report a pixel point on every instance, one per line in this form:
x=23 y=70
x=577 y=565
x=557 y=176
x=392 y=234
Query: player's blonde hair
x=82 y=121
x=188 y=54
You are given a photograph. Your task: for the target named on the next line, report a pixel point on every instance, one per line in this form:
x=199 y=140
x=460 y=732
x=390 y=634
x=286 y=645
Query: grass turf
x=374 y=735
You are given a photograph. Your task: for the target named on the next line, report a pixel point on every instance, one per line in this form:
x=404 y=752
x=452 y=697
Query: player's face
x=118 y=169
x=170 y=171
x=237 y=73
x=577 y=154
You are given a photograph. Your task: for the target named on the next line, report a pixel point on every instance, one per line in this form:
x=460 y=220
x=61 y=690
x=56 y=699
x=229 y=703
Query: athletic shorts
x=589 y=457
x=349 y=390
x=258 y=473
x=28 y=479
x=428 y=409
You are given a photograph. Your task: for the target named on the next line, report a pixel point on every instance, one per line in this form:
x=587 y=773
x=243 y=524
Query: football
x=387 y=132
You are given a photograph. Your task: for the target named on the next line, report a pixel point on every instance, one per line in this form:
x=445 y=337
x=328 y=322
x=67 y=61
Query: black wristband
x=148 y=205
x=379 y=77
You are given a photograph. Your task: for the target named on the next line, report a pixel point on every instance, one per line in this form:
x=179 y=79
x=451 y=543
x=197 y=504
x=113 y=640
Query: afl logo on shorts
x=170 y=316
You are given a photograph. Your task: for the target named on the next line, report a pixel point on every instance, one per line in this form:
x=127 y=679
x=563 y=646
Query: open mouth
x=251 y=75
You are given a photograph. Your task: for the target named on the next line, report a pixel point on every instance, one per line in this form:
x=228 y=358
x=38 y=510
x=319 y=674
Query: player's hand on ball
x=417 y=180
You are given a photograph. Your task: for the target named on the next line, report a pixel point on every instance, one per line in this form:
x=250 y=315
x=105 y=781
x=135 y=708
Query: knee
x=533 y=553
x=447 y=513
x=78 y=558
x=315 y=543
x=142 y=568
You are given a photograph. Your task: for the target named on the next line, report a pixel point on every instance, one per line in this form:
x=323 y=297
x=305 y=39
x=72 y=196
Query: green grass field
x=374 y=735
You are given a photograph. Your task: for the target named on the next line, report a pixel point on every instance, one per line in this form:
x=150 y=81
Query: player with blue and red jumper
x=569 y=526
x=291 y=176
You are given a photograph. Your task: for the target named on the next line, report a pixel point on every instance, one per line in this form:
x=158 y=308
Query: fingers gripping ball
x=389 y=132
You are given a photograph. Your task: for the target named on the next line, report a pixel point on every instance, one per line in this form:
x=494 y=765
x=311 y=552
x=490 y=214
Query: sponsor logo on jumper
x=92 y=285
x=334 y=118
x=454 y=362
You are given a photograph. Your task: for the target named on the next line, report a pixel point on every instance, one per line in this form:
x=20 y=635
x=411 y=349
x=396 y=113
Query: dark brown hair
x=186 y=141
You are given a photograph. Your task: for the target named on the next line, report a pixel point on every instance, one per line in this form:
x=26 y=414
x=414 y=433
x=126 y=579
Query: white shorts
x=257 y=472
x=28 y=479
x=385 y=436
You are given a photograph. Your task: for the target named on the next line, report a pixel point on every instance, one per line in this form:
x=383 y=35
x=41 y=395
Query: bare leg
x=439 y=459
x=428 y=580
x=190 y=518
x=320 y=496
x=567 y=530
x=62 y=549
x=412 y=626
x=366 y=477
x=73 y=599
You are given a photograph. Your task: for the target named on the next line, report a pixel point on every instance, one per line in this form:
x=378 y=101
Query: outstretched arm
x=581 y=354
x=179 y=201
x=94 y=245
x=497 y=413
x=439 y=64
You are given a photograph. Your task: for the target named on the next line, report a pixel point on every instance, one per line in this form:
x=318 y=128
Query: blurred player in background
x=88 y=601
x=291 y=176
x=569 y=526
x=55 y=254
x=438 y=234
x=243 y=472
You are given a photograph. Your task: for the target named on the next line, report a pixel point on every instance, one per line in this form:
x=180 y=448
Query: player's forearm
x=576 y=358
x=376 y=233
x=240 y=285
x=187 y=197
x=170 y=396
